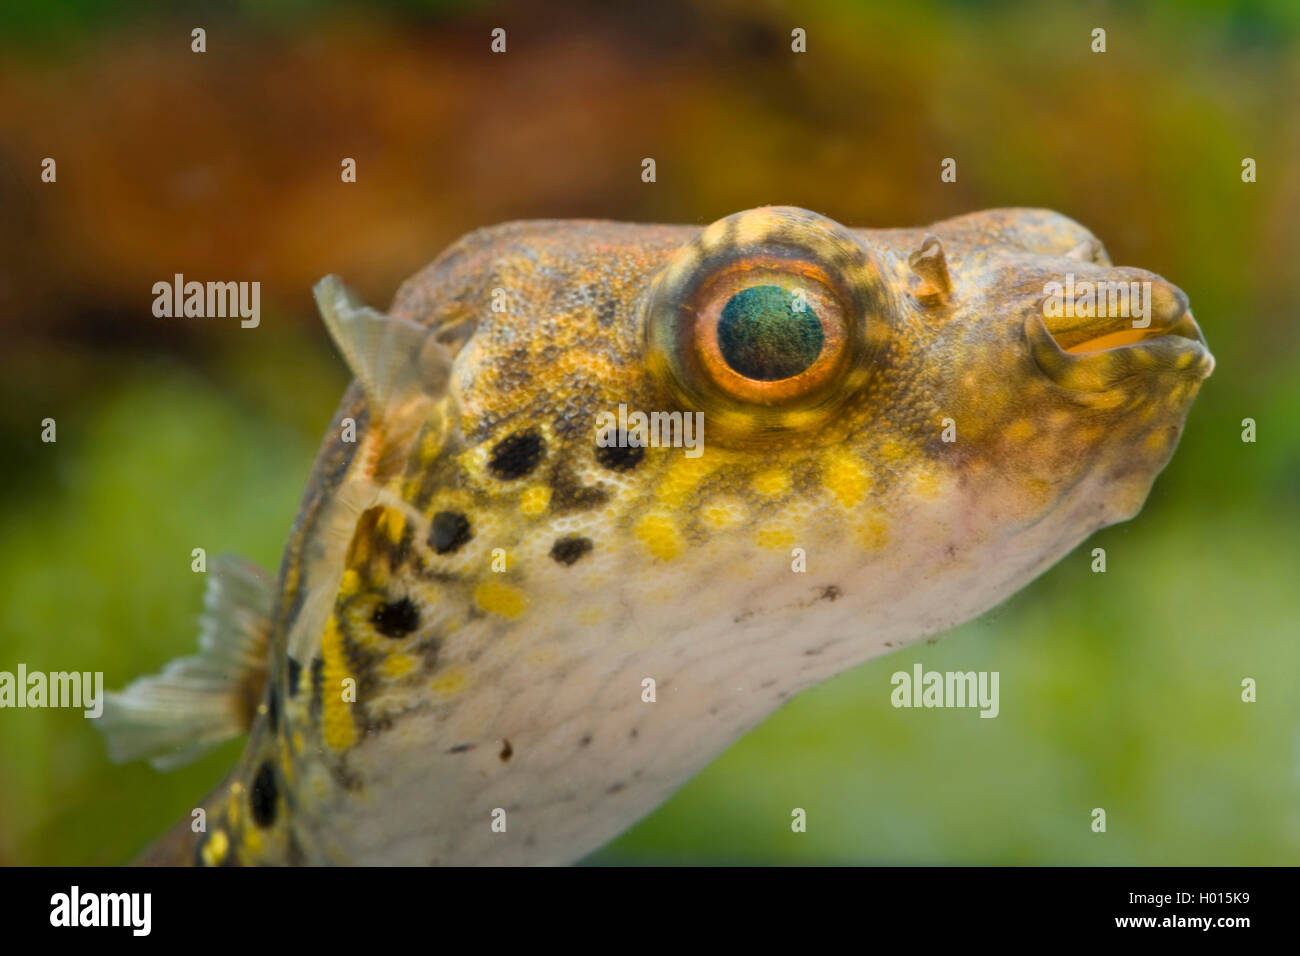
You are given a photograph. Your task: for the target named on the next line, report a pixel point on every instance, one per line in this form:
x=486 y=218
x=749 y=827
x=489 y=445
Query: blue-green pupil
x=763 y=336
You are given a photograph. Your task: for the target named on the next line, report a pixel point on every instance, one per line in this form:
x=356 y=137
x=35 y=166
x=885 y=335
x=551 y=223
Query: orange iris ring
x=713 y=296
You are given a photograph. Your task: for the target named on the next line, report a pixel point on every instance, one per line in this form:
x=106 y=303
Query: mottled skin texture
x=522 y=690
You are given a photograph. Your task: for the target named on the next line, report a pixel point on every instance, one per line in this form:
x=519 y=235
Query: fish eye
x=768 y=338
x=766 y=334
x=767 y=321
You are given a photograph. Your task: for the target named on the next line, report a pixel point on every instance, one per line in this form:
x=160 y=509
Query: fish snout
x=1091 y=332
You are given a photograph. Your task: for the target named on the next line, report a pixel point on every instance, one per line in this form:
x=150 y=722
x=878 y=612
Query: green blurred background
x=1119 y=691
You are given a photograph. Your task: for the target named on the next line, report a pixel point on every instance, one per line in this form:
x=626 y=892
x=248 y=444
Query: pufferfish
x=501 y=633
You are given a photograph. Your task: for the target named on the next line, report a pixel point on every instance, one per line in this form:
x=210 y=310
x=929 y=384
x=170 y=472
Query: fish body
x=514 y=615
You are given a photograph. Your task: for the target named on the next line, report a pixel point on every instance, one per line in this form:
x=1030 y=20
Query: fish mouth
x=1096 y=352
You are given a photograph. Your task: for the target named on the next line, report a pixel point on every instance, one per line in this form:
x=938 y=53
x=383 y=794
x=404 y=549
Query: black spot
x=273 y=709
x=262 y=796
x=615 y=787
x=461 y=749
x=568 y=495
x=586 y=739
x=396 y=619
x=449 y=532
x=568 y=550
x=516 y=456
x=831 y=593
x=295 y=670
x=317 y=680
x=506 y=751
x=346 y=778
x=606 y=312
x=619 y=457
x=373 y=726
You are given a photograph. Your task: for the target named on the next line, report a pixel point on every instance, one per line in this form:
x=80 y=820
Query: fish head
x=667 y=477
x=896 y=408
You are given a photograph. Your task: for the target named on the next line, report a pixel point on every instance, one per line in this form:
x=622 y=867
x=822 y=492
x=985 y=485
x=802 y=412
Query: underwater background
x=1119 y=690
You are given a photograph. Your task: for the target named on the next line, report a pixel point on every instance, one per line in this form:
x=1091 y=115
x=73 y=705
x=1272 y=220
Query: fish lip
x=1177 y=346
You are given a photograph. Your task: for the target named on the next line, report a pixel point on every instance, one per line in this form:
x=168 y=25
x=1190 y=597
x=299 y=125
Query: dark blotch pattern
x=568 y=550
x=507 y=751
x=396 y=619
x=295 y=671
x=317 y=679
x=449 y=532
x=262 y=796
x=620 y=457
x=516 y=456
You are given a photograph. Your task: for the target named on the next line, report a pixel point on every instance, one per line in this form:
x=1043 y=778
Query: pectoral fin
x=197 y=702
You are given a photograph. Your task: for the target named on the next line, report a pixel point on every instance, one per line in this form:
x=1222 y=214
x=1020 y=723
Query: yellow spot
x=535 y=500
x=1089 y=435
x=450 y=682
x=591 y=616
x=286 y=764
x=214 y=851
x=926 y=485
x=359 y=550
x=775 y=538
x=291 y=579
x=1104 y=400
x=722 y=514
x=232 y=803
x=398 y=664
x=378 y=572
x=1036 y=493
x=772 y=482
x=874 y=533
x=497 y=598
x=350 y=584
x=338 y=728
x=845 y=477
x=660 y=536
x=1156 y=440
x=1022 y=429
x=683 y=476
x=430 y=446
x=891 y=451
x=396 y=526
x=1060 y=419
